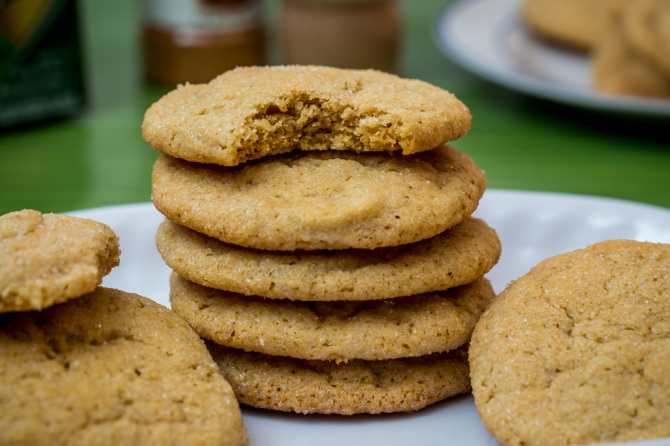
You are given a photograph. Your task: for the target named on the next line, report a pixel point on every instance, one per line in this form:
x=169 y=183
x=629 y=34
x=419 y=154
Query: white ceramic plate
x=487 y=38
x=532 y=226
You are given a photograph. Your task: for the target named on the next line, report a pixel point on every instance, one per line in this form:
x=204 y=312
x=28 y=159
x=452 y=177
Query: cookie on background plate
x=295 y=385
x=577 y=24
x=619 y=67
x=251 y=112
x=48 y=258
x=111 y=368
x=373 y=330
x=321 y=200
x=577 y=351
x=458 y=256
x=646 y=24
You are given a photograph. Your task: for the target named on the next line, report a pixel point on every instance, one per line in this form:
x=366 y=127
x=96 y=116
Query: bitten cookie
x=294 y=385
x=381 y=329
x=577 y=351
x=321 y=200
x=252 y=112
x=111 y=367
x=458 y=256
x=47 y=259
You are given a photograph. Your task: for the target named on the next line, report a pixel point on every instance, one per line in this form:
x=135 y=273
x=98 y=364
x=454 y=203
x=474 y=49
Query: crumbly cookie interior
x=311 y=123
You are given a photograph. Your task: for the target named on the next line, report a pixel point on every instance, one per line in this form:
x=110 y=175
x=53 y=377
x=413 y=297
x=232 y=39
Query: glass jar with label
x=196 y=40
x=341 y=33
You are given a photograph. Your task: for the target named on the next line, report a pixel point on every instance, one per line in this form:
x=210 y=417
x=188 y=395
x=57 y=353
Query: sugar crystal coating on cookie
x=455 y=257
x=577 y=351
x=374 y=330
x=251 y=112
x=49 y=258
x=111 y=368
x=321 y=200
x=294 y=385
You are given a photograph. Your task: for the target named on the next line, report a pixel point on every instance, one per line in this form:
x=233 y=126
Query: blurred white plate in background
x=487 y=38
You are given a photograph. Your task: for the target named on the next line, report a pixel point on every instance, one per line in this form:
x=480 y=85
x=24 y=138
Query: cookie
x=458 y=256
x=381 y=329
x=294 y=385
x=618 y=68
x=577 y=24
x=646 y=24
x=47 y=258
x=252 y=112
x=321 y=200
x=111 y=367
x=577 y=351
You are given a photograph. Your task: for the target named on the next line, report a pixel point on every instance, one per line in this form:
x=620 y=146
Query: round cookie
x=252 y=112
x=458 y=256
x=646 y=24
x=618 y=68
x=48 y=258
x=381 y=329
x=111 y=366
x=295 y=385
x=578 y=350
x=321 y=200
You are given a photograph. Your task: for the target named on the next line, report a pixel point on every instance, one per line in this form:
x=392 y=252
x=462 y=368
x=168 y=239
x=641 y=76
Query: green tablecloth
x=100 y=159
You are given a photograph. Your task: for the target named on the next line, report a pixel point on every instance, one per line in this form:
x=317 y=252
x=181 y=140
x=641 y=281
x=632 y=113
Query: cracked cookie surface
x=321 y=200
x=252 y=112
x=578 y=350
x=295 y=385
x=111 y=368
x=50 y=258
x=373 y=330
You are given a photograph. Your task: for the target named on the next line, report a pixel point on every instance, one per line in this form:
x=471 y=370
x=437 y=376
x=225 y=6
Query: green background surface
x=99 y=158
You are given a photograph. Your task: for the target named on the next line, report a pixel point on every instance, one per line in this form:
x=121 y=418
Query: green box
x=41 y=67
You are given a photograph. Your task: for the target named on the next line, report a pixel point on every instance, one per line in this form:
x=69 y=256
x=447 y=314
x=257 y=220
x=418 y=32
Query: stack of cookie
x=85 y=364
x=319 y=230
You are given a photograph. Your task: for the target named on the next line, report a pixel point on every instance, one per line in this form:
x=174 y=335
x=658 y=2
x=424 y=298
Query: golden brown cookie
x=47 y=259
x=251 y=112
x=577 y=351
x=381 y=329
x=321 y=200
x=618 y=68
x=294 y=385
x=646 y=24
x=578 y=24
x=458 y=256
x=111 y=368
